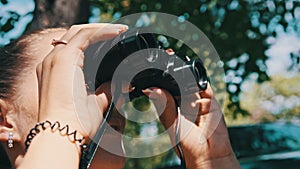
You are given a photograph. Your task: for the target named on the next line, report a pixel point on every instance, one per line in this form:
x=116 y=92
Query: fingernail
x=123 y=28
x=147 y=90
x=126 y=87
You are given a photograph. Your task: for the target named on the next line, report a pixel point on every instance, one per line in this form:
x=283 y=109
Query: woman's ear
x=6 y=117
x=5 y=128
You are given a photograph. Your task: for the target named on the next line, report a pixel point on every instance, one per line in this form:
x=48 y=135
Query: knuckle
x=52 y=60
x=55 y=59
x=75 y=27
x=60 y=57
x=83 y=32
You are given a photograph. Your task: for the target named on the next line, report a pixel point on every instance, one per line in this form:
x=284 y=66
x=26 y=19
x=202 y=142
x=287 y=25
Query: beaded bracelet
x=55 y=126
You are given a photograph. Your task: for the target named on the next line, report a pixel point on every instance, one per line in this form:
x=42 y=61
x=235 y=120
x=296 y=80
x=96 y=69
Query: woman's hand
x=204 y=136
x=63 y=98
x=63 y=95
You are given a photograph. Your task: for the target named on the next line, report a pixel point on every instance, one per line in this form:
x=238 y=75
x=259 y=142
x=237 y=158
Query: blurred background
x=258 y=43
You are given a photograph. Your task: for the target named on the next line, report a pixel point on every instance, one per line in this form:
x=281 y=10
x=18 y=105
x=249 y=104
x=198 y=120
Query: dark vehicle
x=272 y=145
x=265 y=146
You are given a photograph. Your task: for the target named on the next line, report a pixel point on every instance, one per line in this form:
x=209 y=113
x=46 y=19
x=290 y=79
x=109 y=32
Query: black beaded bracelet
x=55 y=126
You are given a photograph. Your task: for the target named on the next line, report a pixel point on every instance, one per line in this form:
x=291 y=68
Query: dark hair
x=12 y=62
x=15 y=58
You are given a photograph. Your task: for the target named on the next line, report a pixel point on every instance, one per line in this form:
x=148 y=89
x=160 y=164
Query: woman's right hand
x=204 y=137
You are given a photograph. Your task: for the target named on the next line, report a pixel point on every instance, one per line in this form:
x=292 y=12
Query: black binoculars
x=138 y=58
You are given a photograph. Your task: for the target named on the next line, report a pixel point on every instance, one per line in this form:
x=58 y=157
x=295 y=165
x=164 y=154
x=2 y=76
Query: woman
x=37 y=84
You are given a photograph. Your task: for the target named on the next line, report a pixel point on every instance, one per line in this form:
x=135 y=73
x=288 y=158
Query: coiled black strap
x=54 y=126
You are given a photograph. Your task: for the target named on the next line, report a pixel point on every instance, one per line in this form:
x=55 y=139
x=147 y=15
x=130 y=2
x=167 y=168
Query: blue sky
x=279 y=53
x=22 y=7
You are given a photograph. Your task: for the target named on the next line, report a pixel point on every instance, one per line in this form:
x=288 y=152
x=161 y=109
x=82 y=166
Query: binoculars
x=138 y=58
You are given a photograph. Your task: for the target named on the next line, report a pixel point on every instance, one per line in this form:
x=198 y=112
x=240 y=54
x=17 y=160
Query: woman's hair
x=12 y=62
x=16 y=57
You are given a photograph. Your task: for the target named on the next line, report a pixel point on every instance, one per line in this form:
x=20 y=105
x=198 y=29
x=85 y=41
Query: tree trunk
x=55 y=13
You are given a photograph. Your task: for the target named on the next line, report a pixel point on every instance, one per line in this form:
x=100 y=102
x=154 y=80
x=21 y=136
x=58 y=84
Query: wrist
x=56 y=128
x=50 y=150
x=68 y=118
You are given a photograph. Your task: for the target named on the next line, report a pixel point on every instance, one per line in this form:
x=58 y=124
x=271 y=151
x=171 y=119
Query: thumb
x=154 y=93
x=98 y=104
x=91 y=120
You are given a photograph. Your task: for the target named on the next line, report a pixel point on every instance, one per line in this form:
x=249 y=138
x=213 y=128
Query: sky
x=22 y=7
x=279 y=52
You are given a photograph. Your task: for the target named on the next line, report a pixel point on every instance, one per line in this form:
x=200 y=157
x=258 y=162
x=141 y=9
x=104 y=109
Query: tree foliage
x=275 y=99
x=47 y=14
x=53 y=13
x=237 y=29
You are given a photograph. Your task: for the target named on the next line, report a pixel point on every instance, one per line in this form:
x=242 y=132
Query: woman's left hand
x=63 y=95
